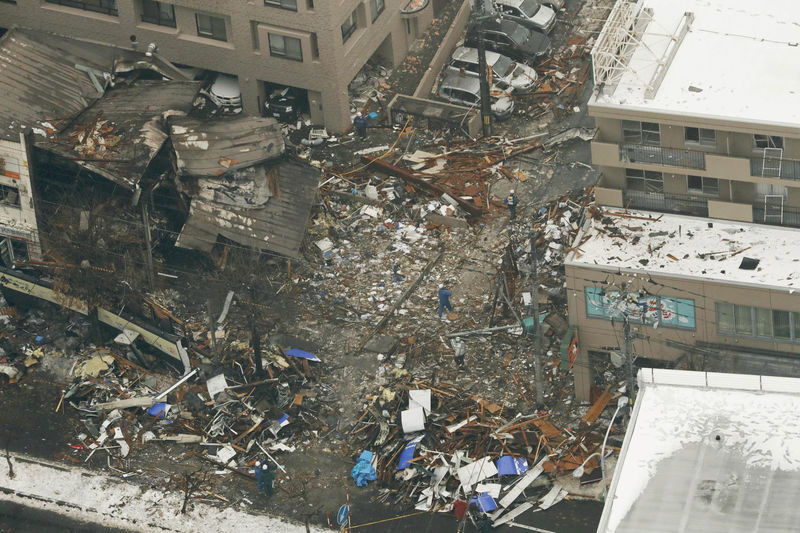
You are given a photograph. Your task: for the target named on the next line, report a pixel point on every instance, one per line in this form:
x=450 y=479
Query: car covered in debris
x=466 y=91
x=509 y=38
x=225 y=91
x=506 y=73
x=529 y=13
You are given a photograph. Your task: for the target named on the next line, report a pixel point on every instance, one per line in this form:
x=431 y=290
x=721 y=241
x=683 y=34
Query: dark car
x=509 y=38
x=283 y=105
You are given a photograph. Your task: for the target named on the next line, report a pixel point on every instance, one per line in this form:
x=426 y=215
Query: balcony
x=656 y=155
x=665 y=203
x=771 y=167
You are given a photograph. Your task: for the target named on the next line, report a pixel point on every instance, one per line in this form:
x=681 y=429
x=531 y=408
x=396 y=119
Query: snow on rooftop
x=741 y=59
x=689 y=246
x=716 y=455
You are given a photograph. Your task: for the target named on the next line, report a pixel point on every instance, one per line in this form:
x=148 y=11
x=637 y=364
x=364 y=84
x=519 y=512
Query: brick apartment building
x=697 y=108
x=314 y=45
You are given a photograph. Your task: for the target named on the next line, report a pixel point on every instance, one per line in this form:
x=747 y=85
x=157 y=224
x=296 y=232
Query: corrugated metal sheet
x=40 y=86
x=215 y=146
x=119 y=135
x=278 y=226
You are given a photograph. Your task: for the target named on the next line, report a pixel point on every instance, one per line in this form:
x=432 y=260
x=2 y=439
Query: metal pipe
x=177 y=384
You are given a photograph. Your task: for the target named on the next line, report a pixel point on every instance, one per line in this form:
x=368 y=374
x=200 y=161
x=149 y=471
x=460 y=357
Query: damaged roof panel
x=213 y=147
x=119 y=135
x=279 y=226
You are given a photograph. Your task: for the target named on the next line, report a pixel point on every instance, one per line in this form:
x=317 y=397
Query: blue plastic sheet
x=408 y=453
x=513 y=466
x=484 y=502
x=294 y=352
x=159 y=410
x=363 y=472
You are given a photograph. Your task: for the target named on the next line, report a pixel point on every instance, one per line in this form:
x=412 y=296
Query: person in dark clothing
x=444 y=300
x=267 y=479
x=360 y=125
x=511 y=201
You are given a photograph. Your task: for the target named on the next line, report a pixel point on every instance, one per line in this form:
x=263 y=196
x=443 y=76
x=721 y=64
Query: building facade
x=715 y=295
x=705 y=121
x=315 y=46
x=19 y=233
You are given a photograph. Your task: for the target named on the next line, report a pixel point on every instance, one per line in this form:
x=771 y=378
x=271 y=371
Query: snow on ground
x=111 y=502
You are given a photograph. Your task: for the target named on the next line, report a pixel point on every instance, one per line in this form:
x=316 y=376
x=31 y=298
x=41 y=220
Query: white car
x=506 y=73
x=466 y=91
x=225 y=91
x=529 y=13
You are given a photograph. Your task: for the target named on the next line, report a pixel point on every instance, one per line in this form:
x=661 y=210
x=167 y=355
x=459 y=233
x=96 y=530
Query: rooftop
x=739 y=60
x=688 y=247
x=708 y=452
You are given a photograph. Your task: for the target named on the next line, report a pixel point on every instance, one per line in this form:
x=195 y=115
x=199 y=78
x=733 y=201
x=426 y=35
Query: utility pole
x=631 y=378
x=537 y=337
x=486 y=115
x=148 y=250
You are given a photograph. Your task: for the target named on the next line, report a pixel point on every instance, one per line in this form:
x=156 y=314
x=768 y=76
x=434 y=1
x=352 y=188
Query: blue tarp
x=408 y=453
x=484 y=502
x=363 y=472
x=508 y=465
x=159 y=410
x=294 y=352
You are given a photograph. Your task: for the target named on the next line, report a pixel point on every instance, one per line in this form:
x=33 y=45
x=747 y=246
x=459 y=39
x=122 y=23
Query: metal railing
x=656 y=155
x=789 y=168
x=666 y=203
x=790 y=217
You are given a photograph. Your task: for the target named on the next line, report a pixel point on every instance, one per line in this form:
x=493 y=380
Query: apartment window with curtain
x=288 y=47
x=377 y=8
x=641 y=132
x=349 y=26
x=644 y=180
x=160 y=13
x=211 y=27
x=108 y=7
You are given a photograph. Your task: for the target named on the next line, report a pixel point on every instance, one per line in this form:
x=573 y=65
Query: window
x=640 y=132
x=744 y=320
x=310 y=4
x=781 y=326
x=767 y=141
x=109 y=7
x=725 y=318
x=698 y=184
x=700 y=136
x=349 y=26
x=9 y=196
x=644 y=180
x=159 y=13
x=314 y=46
x=377 y=8
x=291 y=5
x=211 y=27
x=288 y=47
x=764 y=322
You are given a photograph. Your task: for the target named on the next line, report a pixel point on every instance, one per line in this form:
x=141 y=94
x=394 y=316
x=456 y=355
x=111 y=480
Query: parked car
x=466 y=91
x=283 y=105
x=506 y=73
x=529 y=13
x=225 y=91
x=510 y=39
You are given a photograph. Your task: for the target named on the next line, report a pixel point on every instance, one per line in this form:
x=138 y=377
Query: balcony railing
x=775 y=168
x=665 y=203
x=790 y=216
x=656 y=155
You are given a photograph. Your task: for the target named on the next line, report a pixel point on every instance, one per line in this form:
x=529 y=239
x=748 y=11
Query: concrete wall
x=246 y=52
x=730 y=211
x=597 y=334
x=443 y=54
x=18 y=222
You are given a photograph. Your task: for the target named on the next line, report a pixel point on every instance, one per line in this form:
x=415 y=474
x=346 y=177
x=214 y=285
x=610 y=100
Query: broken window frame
x=377 y=7
x=767 y=141
x=289 y=5
x=651 y=181
x=635 y=132
x=285 y=51
x=161 y=13
x=13 y=251
x=106 y=7
x=700 y=136
x=211 y=29
x=708 y=186
x=8 y=191
x=349 y=26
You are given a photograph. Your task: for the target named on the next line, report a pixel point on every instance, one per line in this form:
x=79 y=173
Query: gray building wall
x=246 y=53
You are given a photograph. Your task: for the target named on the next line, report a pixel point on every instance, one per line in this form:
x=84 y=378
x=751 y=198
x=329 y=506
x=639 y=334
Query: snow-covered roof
x=708 y=452
x=739 y=61
x=689 y=247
